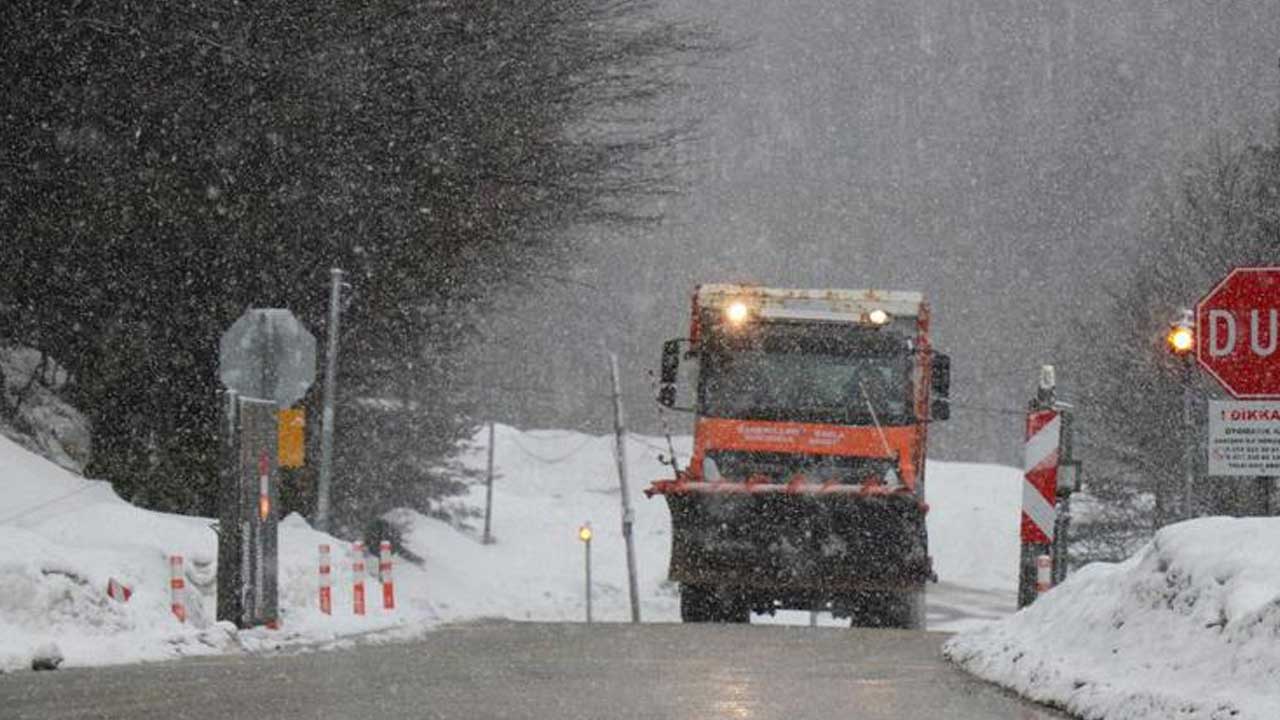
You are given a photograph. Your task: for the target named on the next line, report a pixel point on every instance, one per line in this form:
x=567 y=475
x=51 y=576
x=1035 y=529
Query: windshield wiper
x=874 y=418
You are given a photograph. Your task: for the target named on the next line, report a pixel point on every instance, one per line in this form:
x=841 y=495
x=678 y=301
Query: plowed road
x=554 y=672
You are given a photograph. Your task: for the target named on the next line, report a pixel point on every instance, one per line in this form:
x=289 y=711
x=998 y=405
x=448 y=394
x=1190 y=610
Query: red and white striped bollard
x=118 y=591
x=357 y=573
x=384 y=575
x=177 y=588
x=326 y=582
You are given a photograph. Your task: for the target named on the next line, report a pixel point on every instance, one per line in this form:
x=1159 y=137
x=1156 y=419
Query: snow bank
x=1187 y=628
x=551 y=481
x=62 y=538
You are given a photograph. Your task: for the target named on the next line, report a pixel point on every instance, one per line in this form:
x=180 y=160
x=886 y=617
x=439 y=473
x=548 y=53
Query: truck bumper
x=807 y=545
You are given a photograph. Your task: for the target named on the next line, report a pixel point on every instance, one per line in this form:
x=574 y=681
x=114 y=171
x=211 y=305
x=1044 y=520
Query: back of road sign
x=268 y=354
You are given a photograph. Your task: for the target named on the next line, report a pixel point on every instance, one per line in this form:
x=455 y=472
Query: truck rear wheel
x=888 y=609
x=701 y=603
x=695 y=604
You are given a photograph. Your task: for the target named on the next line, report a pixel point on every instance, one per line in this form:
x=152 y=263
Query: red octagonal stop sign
x=1238 y=333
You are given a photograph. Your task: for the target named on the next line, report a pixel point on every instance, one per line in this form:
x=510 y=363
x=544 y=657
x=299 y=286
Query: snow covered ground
x=1187 y=628
x=63 y=537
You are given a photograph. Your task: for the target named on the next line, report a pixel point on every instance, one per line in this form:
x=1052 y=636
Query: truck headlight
x=736 y=313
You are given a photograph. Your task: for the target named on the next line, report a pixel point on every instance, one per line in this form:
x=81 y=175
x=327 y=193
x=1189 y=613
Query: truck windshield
x=795 y=372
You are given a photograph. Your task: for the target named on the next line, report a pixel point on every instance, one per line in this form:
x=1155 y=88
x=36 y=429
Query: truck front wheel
x=700 y=603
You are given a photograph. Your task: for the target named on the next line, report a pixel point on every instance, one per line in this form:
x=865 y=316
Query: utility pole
x=628 y=516
x=1189 y=440
x=488 y=491
x=330 y=391
x=231 y=512
x=1181 y=342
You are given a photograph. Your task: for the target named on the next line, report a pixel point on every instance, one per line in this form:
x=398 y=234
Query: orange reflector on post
x=292 y=425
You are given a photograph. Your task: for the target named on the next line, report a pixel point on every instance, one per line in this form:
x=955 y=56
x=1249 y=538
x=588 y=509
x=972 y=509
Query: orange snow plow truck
x=805 y=489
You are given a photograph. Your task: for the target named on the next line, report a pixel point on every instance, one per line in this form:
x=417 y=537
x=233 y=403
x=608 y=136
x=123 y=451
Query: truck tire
x=700 y=603
x=733 y=608
x=696 y=604
x=888 y=609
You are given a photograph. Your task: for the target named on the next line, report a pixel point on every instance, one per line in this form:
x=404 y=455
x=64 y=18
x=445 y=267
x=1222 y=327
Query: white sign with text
x=1244 y=438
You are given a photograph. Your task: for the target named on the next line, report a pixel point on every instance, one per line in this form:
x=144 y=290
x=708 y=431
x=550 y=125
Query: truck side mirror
x=667 y=395
x=670 y=361
x=940 y=387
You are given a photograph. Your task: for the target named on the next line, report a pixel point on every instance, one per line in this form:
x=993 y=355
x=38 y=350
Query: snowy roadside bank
x=1187 y=628
x=63 y=538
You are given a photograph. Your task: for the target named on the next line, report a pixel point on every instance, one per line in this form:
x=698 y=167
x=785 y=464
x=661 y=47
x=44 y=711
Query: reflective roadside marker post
x=177 y=588
x=584 y=534
x=357 y=575
x=1042 y=451
x=326 y=581
x=384 y=575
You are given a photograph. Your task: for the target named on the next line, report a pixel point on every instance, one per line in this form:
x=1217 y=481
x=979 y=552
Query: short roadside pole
x=177 y=588
x=357 y=578
x=266 y=361
x=384 y=576
x=584 y=534
x=326 y=581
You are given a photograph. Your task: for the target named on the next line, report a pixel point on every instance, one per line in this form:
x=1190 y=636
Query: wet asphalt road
x=560 y=672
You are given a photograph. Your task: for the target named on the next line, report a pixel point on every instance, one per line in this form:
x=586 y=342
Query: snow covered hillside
x=1187 y=628
x=62 y=538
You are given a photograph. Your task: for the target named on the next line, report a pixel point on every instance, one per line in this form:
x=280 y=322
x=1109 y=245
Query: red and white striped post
x=1044 y=574
x=177 y=588
x=326 y=582
x=357 y=574
x=384 y=576
x=118 y=591
x=1040 y=486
